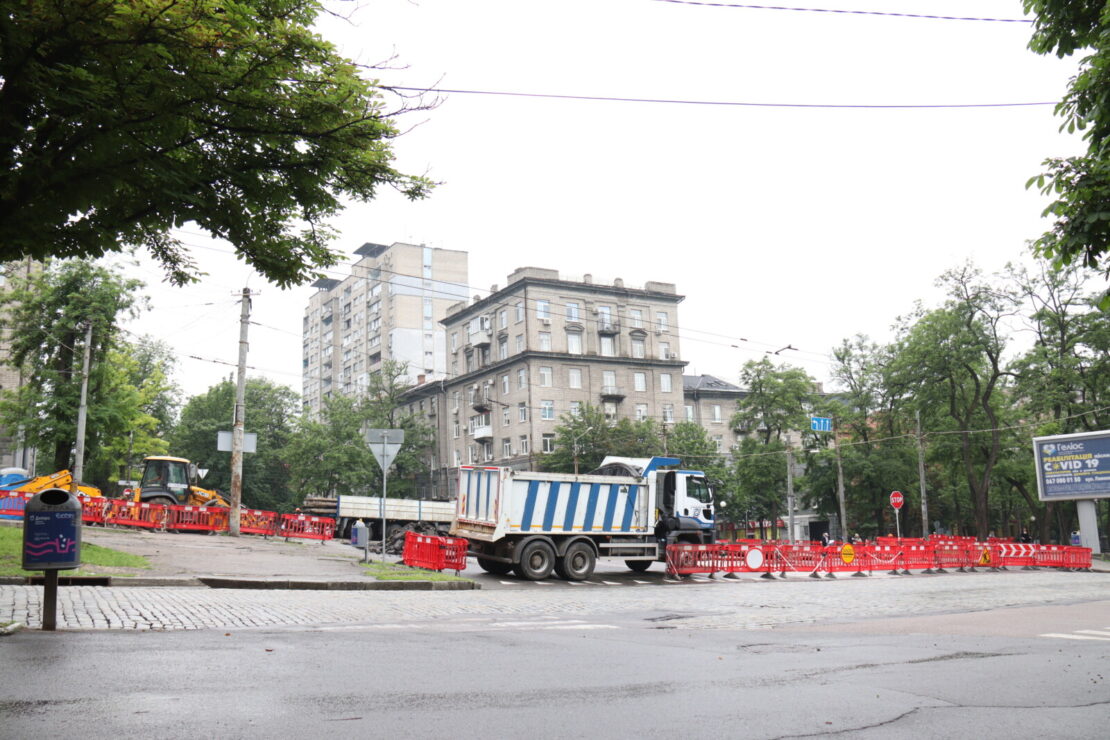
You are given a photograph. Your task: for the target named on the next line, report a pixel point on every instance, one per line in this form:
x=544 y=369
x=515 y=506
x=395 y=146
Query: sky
x=782 y=223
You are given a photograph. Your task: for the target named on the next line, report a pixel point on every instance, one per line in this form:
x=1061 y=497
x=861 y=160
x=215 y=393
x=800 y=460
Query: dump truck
x=627 y=510
x=61 y=479
x=173 y=481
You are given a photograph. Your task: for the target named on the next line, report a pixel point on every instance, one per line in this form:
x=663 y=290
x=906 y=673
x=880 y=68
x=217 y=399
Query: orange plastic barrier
x=12 y=504
x=1017 y=555
x=807 y=559
x=684 y=560
x=131 y=514
x=93 y=509
x=307 y=527
x=744 y=556
x=255 y=521
x=434 y=553
x=1051 y=556
x=197 y=518
x=1077 y=558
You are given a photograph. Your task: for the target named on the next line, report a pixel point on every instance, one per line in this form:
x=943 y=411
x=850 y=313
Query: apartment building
x=14 y=451
x=541 y=347
x=711 y=402
x=389 y=308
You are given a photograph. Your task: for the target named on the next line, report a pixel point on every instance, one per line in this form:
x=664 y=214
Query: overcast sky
x=782 y=225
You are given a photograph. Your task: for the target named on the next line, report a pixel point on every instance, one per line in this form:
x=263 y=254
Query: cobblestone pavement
x=691 y=604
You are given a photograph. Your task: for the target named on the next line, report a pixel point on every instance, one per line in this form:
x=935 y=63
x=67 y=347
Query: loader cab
x=165 y=477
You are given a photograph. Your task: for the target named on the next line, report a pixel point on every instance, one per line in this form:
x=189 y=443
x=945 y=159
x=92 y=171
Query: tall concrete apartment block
x=389 y=308
x=540 y=348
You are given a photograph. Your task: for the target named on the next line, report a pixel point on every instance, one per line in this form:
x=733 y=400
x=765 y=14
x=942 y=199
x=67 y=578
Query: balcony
x=480 y=339
x=483 y=432
x=481 y=405
x=608 y=327
x=612 y=393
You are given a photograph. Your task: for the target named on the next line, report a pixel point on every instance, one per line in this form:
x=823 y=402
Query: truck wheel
x=496 y=567
x=537 y=559
x=638 y=565
x=161 y=500
x=578 y=562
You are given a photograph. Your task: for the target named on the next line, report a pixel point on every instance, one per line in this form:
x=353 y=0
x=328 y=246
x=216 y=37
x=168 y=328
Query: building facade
x=389 y=308
x=14 y=450
x=542 y=347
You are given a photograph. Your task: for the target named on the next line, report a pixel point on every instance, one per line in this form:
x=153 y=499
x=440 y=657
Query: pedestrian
x=1025 y=538
x=825 y=539
x=856 y=539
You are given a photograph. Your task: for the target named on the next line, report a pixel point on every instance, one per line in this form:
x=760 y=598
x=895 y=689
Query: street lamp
x=574 y=445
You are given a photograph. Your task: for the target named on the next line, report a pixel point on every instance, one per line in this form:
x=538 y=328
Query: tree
x=269 y=411
x=48 y=313
x=589 y=437
x=330 y=456
x=777 y=400
x=120 y=121
x=1080 y=185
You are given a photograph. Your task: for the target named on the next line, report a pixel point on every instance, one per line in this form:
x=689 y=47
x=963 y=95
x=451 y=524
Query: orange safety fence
x=93 y=509
x=197 y=518
x=131 y=514
x=255 y=521
x=307 y=527
x=684 y=560
x=1077 y=558
x=433 y=552
x=805 y=559
x=12 y=504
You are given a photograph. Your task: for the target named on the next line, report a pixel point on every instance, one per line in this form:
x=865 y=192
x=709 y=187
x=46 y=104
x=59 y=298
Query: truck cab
x=684 y=500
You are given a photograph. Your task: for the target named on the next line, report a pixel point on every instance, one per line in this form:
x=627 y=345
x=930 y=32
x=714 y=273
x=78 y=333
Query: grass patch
x=399 y=572
x=94 y=558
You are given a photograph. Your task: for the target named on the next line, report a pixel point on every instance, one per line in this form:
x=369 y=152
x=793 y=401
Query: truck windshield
x=698 y=488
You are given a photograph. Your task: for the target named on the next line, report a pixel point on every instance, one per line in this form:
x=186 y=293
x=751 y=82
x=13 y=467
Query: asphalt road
x=614 y=674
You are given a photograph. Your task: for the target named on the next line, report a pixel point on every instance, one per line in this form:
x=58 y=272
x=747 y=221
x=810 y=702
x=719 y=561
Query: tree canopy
x=120 y=121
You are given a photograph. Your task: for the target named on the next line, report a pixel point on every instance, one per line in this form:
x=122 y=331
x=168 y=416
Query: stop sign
x=897 y=499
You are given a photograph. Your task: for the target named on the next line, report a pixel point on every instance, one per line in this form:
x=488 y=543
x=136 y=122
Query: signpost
x=1075 y=467
x=896 y=500
x=826 y=424
x=385 y=444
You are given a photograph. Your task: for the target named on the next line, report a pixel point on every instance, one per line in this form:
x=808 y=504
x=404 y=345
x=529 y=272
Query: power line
x=725 y=103
x=846 y=12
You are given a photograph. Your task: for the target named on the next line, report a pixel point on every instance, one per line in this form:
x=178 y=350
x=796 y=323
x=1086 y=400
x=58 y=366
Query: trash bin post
x=52 y=542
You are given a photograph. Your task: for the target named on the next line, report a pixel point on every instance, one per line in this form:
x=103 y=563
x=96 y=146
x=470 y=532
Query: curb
x=255 y=583
x=11 y=628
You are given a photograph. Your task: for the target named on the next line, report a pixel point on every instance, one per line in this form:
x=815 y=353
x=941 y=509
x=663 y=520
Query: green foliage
x=120 y=121
x=778 y=400
x=592 y=437
x=269 y=409
x=1079 y=185
x=48 y=312
x=329 y=456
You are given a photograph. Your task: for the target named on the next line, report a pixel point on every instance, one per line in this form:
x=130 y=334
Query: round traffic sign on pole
x=897 y=499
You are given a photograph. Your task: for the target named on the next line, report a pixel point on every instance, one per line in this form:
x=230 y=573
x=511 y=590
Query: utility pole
x=790 y=489
x=82 y=413
x=840 y=487
x=240 y=413
x=921 y=478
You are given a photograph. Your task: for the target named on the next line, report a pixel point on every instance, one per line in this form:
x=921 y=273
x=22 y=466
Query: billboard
x=1073 y=466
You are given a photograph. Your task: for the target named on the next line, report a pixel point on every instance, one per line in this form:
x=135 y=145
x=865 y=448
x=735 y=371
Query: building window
x=519 y=343
x=575 y=408
x=502 y=318
x=639 y=381
x=689 y=412
x=525 y=448
x=545 y=341
x=455 y=429
x=638 y=348
x=458 y=458
x=504 y=383
x=572 y=312
x=547 y=410
x=503 y=348
x=641 y=411
x=543 y=309
x=664 y=351
x=574 y=378
x=661 y=320
x=549 y=443
x=610 y=409
x=608 y=346
x=604 y=315
x=506 y=418
x=506 y=447
x=574 y=342
x=470 y=455
x=668 y=413
x=522 y=411
x=609 y=378
x=636 y=318
x=519 y=311
x=717 y=441
x=545 y=377
x=716 y=408
x=664 y=382
x=521 y=379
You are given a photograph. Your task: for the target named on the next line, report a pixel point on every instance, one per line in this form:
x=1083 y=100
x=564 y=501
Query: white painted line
x=1076 y=637
x=564 y=622
x=610 y=583
x=543 y=583
x=646 y=583
x=510 y=583
x=579 y=627
x=1094 y=632
x=575 y=583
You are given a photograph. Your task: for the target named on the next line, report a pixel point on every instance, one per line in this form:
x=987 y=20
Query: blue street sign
x=820 y=423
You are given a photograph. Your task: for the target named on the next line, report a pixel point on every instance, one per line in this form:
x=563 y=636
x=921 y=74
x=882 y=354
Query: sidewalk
x=220 y=561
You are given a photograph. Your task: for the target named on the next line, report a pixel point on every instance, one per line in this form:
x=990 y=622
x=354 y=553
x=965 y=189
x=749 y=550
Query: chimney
x=420 y=379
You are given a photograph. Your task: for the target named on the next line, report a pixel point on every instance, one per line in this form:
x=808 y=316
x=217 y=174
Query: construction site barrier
x=255 y=521
x=806 y=560
x=684 y=560
x=93 y=509
x=131 y=514
x=434 y=553
x=307 y=527
x=12 y=504
x=197 y=518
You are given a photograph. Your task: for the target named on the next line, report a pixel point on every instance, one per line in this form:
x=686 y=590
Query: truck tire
x=496 y=567
x=578 y=563
x=638 y=565
x=161 y=501
x=537 y=559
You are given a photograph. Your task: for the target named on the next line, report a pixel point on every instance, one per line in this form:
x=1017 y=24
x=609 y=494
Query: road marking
x=1075 y=637
x=575 y=583
x=643 y=583
x=1100 y=633
x=611 y=583
x=510 y=583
